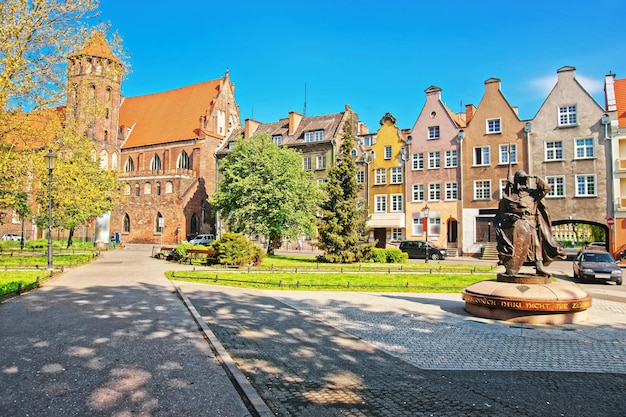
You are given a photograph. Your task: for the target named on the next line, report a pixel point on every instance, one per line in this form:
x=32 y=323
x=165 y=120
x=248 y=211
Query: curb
x=251 y=397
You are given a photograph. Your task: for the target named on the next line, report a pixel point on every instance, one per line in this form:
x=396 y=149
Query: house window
x=418 y=192
x=387 y=152
x=396 y=234
x=418 y=227
x=494 y=126
x=158 y=188
x=278 y=139
x=568 y=116
x=147 y=188
x=396 y=175
x=481 y=156
x=380 y=176
x=482 y=189
x=433 y=132
x=434 y=160
x=434 y=226
x=451 y=159
x=418 y=161
x=434 y=192
x=137 y=190
x=503 y=184
x=368 y=140
x=126 y=227
x=127 y=189
x=585 y=185
x=321 y=181
x=314 y=136
x=360 y=177
x=554 y=151
x=169 y=187
x=396 y=203
x=558 y=186
x=380 y=203
x=129 y=166
x=306 y=163
x=353 y=153
x=155 y=164
x=452 y=191
x=584 y=148
x=320 y=162
x=183 y=161
x=506 y=151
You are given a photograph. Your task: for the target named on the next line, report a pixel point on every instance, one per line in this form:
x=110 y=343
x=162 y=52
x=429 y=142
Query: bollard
x=20 y=288
x=215 y=277
x=348 y=284
x=280 y=283
x=407 y=285
x=297 y=284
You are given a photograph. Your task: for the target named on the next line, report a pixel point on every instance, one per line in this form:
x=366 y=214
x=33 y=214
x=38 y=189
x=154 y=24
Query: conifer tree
x=343 y=214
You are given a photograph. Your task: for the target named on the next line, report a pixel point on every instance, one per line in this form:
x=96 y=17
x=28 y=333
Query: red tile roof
x=97 y=46
x=620 y=98
x=169 y=116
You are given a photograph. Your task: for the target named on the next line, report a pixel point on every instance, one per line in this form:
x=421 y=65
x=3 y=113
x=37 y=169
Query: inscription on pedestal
x=529 y=305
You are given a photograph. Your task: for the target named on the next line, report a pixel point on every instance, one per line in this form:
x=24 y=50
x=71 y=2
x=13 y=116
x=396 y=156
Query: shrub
x=236 y=249
x=396 y=256
x=379 y=255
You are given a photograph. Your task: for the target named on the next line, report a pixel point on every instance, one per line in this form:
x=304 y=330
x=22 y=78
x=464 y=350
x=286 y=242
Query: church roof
x=97 y=46
x=168 y=116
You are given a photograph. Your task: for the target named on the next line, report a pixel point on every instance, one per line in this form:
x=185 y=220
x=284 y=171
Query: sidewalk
x=109 y=339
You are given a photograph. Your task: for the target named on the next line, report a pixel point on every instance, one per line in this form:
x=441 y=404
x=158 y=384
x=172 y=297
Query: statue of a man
x=522 y=226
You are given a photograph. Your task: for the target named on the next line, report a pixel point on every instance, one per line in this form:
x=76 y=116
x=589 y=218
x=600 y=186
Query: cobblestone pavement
x=358 y=354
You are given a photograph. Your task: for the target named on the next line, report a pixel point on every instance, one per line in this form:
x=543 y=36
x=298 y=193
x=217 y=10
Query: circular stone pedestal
x=527 y=302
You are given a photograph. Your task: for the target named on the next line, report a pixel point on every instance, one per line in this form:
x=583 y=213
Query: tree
x=265 y=192
x=81 y=190
x=36 y=37
x=344 y=215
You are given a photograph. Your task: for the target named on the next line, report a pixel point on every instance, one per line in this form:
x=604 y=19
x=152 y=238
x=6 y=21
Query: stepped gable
x=168 y=116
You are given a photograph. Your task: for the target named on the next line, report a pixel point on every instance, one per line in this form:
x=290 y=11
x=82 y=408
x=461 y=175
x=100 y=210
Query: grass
x=10 y=280
x=38 y=260
x=305 y=273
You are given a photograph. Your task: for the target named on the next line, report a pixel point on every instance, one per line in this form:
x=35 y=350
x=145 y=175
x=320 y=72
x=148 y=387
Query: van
x=203 y=239
x=418 y=249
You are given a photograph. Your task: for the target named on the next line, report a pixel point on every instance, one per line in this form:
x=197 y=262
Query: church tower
x=93 y=98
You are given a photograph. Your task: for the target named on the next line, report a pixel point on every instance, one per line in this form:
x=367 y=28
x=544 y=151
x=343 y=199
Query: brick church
x=162 y=145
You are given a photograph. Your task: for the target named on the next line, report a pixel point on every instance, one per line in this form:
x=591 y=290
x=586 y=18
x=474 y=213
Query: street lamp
x=50 y=161
x=426 y=212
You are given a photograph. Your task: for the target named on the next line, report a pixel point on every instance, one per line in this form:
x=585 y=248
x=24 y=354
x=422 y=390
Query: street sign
x=610 y=221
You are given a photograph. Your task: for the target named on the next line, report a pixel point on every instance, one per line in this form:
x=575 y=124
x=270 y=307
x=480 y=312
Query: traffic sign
x=610 y=221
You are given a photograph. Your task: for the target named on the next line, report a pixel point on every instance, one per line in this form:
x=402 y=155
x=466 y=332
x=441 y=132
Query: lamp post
x=50 y=161
x=426 y=212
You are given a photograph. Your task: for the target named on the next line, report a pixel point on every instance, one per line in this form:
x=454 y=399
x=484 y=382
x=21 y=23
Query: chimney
x=250 y=126
x=469 y=112
x=609 y=92
x=294 y=122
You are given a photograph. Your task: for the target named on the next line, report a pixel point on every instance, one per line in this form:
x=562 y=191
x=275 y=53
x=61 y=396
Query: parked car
x=416 y=249
x=203 y=239
x=12 y=236
x=596 y=245
x=596 y=265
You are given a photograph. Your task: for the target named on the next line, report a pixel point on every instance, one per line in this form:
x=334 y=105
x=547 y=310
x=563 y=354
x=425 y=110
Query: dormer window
x=568 y=116
x=494 y=126
x=314 y=136
x=433 y=132
x=278 y=139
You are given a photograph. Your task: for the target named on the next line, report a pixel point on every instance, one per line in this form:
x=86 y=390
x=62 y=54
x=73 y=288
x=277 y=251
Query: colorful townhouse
x=494 y=144
x=387 y=158
x=433 y=175
x=570 y=148
x=615 y=133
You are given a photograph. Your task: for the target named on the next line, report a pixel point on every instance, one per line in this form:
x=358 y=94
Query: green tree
x=264 y=191
x=344 y=215
x=81 y=190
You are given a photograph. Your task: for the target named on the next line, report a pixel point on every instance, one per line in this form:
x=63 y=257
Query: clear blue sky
x=377 y=56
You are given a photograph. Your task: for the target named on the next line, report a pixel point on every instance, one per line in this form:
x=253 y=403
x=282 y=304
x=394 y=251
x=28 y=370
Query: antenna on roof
x=304 y=111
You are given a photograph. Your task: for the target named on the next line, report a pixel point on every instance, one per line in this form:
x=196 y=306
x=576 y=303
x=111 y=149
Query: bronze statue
x=522 y=226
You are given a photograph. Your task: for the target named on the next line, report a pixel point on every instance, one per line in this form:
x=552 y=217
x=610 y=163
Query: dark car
x=416 y=249
x=596 y=265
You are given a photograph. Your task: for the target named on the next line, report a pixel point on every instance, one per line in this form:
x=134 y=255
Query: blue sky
x=377 y=56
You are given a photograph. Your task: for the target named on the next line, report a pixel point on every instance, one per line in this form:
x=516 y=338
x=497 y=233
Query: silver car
x=596 y=265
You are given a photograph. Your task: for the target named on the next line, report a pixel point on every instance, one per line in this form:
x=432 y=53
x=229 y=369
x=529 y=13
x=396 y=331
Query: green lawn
x=10 y=280
x=305 y=273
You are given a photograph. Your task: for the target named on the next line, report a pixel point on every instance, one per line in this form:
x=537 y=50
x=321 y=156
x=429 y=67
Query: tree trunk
x=69 y=238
